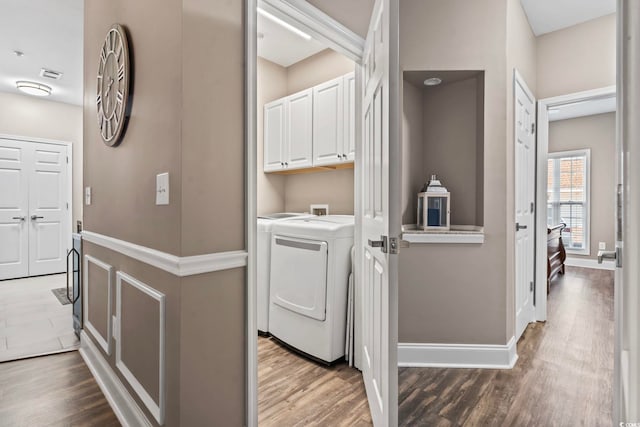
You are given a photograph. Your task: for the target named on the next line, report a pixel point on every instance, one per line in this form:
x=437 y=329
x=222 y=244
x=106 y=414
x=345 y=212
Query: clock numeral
x=119 y=51
x=103 y=56
x=99 y=99
x=111 y=40
x=120 y=97
x=109 y=131
x=121 y=72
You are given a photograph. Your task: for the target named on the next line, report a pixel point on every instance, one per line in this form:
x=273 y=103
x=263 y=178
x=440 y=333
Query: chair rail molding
x=178 y=266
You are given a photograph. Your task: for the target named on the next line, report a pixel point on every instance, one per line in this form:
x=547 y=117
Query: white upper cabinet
x=328 y=118
x=349 y=141
x=274 y=135
x=315 y=127
x=299 y=140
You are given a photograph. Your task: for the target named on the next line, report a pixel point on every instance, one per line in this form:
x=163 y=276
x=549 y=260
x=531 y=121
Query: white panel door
x=274 y=135
x=380 y=214
x=328 y=104
x=299 y=141
x=627 y=254
x=525 y=164
x=15 y=156
x=48 y=209
x=349 y=140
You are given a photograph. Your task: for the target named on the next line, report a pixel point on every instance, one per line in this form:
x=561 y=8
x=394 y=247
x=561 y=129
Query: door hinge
x=67 y=206
x=533 y=128
x=67 y=159
x=530 y=286
x=532 y=207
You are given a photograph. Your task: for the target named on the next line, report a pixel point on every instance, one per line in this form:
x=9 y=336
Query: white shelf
x=464 y=234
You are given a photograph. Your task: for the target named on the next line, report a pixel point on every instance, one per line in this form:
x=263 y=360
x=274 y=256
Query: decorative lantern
x=434 y=206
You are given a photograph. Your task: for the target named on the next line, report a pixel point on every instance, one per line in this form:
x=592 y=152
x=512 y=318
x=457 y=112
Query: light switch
x=162 y=189
x=87 y=196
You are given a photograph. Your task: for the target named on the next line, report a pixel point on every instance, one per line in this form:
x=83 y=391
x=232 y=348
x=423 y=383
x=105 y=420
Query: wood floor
x=562 y=378
x=52 y=391
x=293 y=391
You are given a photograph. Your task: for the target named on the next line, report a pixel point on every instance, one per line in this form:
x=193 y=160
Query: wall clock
x=114 y=74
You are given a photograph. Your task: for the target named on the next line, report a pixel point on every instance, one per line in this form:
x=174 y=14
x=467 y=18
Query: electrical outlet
x=602 y=246
x=319 y=209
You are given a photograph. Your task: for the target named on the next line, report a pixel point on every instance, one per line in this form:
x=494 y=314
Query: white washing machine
x=263 y=260
x=310 y=267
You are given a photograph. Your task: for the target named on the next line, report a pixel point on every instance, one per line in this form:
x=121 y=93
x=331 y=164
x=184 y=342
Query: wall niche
x=443 y=134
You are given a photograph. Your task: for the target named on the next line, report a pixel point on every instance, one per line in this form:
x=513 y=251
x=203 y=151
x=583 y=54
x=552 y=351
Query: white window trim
x=587 y=190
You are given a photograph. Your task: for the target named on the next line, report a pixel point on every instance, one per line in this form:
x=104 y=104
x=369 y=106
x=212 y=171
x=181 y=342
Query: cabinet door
x=299 y=142
x=349 y=142
x=274 y=135
x=328 y=105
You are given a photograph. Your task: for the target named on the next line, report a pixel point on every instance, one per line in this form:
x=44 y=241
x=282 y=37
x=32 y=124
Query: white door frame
x=341 y=39
x=69 y=146
x=541 y=185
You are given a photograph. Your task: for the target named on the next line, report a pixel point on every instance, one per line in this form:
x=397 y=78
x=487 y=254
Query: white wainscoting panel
x=590 y=263
x=104 y=342
x=178 y=266
x=157 y=409
x=418 y=355
x=124 y=406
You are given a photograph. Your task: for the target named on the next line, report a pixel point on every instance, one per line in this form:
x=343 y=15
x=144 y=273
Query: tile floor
x=32 y=320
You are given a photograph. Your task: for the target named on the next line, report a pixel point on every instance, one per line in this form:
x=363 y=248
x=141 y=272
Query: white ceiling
x=583 y=108
x=546 y=16
x=282 y=46
x=49 y=32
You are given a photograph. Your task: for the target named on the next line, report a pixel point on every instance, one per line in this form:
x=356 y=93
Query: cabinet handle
x=286 y=164
x=339 y=156
x=282 y=164
x=344 y=156
x=34 y=217
x=21 y=218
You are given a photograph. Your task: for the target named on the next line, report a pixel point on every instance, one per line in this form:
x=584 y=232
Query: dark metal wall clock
x=114 y=79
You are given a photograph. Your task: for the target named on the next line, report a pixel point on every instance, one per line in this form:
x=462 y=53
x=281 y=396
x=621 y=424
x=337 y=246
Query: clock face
x=113 y=86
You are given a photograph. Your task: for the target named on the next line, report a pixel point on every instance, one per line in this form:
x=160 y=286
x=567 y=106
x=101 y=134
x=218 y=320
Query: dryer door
x=299 y=275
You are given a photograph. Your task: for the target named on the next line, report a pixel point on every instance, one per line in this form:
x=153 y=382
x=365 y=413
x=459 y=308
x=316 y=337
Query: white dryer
x=310 y=267
x=263 y=260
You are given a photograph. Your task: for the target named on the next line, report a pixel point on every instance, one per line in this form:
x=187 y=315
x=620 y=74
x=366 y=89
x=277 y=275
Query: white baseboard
x=590 y=263
x=416 y=355
x=123 y=405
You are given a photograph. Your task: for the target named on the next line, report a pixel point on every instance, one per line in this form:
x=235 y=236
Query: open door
x=627 y=275
x=379 y=217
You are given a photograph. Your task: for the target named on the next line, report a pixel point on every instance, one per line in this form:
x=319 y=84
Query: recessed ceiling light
x=33 y=88
x=284 y=24
x=18 y=53
x=433 y=81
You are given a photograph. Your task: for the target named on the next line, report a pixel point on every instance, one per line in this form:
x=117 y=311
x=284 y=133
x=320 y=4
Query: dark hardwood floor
x=563 y=376
x=56 y=390
x=294 y=391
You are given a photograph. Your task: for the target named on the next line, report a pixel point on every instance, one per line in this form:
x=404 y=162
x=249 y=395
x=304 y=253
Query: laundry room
x=306 y=130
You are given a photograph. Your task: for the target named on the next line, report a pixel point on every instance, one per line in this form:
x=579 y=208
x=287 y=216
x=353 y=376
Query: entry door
x=33 y=208
x=14 y=209
x=525 y=167
x=380 y=215
x=627 y=275
x=48 y=209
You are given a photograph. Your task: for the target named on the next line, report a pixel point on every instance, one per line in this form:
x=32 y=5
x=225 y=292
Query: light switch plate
x=162 y=189
x=87 y=196
x=602 y=246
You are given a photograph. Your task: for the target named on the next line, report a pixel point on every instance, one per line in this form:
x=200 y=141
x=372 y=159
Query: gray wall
x=186 y=119
x=597 y=133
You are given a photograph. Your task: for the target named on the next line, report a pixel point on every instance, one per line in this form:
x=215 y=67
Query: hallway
x=563 y=375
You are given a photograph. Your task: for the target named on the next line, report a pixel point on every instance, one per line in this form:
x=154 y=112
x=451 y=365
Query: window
x=568 y=197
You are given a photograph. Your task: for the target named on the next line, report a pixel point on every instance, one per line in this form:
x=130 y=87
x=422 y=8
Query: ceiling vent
x=50 y=74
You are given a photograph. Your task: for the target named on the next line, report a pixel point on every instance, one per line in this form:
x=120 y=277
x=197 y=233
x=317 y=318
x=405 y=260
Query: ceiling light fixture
x=433 y=81
x=284 y=24
x=33 y=88
x=18 y=53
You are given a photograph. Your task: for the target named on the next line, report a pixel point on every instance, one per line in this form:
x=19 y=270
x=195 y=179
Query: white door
x=380 y=215
x=525 y=175
x=14 y=205
x=298 y=122
x=48 y=209
x=274 y=135
x=627 y=275
x=349 y=140
x=327 y=122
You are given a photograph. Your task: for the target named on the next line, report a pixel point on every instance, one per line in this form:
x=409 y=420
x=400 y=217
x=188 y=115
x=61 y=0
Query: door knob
x=34 y=217
x=520 y=227
x=21 y=218
x=602 y=255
